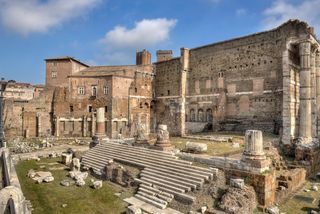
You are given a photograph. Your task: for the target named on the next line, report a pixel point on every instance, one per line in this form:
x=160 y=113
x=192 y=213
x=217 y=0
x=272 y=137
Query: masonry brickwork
x=266 y=81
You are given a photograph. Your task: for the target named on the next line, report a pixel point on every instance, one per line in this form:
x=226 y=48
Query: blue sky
x=106 y=32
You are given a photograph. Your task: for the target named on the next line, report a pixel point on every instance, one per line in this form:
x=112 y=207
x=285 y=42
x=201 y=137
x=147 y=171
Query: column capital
x=305 y=47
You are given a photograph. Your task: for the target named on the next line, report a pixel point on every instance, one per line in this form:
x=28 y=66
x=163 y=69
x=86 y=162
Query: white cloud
x=283 y=10
x=241 y=12
x=31 y=16
x=147 y=32
x=121 y=42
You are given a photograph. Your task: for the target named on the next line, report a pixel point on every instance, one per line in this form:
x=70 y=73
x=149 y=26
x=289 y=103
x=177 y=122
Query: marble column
x=184 y=61
x=57 y=126
x=93 y=124
x=84 y=125
x=100 y=129
x=305 y=122
x=317 y=65
x=253 y=143
x=313 y=94
x=39 y=126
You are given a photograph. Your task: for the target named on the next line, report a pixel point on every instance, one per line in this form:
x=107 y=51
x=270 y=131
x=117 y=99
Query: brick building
x=268 y=81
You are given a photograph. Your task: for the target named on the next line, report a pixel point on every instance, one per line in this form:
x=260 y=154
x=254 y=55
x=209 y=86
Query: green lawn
x=48 y=197
x=214 y=148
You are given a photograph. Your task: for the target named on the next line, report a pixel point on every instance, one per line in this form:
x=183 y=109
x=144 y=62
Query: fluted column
x=253 y=143
x=100 y=129
x=317 y=71
x=305 y=122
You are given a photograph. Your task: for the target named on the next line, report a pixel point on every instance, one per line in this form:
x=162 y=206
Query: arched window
x=192 y=115
x=209 y=115
x=200 y=115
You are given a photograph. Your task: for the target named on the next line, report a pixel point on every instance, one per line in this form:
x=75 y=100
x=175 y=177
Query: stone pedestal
x=253 y=153
x=163 y=142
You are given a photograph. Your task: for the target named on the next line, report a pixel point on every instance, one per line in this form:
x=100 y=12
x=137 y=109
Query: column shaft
x=101 y=131
x=305 y=90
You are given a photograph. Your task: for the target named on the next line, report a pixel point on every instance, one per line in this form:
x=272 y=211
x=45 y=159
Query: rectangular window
x=106 y=109
x=94 y=90
x=90 y=109
x=71 y=108
x=53 y=74
x=81 y=90
x=106 y=90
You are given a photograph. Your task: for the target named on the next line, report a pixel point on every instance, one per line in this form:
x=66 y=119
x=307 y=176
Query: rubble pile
x=238 y=200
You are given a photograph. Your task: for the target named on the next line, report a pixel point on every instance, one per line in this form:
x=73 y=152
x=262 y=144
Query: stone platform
x=162 y=178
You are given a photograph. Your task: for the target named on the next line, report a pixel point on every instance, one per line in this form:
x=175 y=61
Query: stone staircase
x=162 y=178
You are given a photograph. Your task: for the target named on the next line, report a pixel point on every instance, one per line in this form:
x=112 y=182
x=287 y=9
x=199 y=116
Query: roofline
x=97 y=76
x=250 y=35
x=66 y=58
x=174 y=58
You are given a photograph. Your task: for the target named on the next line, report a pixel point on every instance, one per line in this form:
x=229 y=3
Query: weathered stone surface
x=66 y=182
x=66 y=158
x=97 y=184
x=75 y=164
x=48 y=179
x=80 y=182
x=237 y=183
x=273 y=210
x=196 y=147
x=238 y=201
x=133 y=210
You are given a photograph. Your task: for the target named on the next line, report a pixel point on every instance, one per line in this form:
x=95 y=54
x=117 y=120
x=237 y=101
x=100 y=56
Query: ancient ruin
x=259 y=85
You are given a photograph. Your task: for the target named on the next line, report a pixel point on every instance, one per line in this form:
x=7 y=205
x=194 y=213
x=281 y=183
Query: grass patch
x=302 y=202
x=214 y=148
x=49 y=197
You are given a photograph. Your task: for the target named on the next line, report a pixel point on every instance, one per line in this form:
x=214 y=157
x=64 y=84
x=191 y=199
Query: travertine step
x=173 y=184
x=154 y=198
x=163 y=176
x=157 y=191
x=146 y=162
x=158 y=205
x=194 y=181
x=148 y=152
x=165 y=160
x=96 y=162
x=177 y=195
x=176 y=180
x=153 y=193
x=140 y=149
x=161 y=184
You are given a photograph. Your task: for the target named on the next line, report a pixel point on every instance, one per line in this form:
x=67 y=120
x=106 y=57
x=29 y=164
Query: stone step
x=139 y=163
x=160 y=184
x=119 y=156
x=178 y=195
x=137 y=154
x=166 y=160
x=151 y=197
x=165 y=171
x=147 y=200
x=169 y=178
x=140 y=149
x=149 y=152
x=191 y=180
x=158 y=191
x=173 y=184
